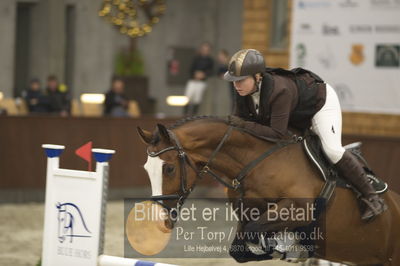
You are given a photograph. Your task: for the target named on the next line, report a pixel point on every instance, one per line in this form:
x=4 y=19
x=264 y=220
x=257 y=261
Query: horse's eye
x=168 y=169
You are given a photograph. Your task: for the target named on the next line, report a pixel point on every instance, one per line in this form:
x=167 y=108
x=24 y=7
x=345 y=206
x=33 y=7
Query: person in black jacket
x=56 y=100
x=34 y=97
x=201 y=68
x=203 y=63
x=116 y=103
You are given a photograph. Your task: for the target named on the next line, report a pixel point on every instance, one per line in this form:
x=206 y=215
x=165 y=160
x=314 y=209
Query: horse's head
x=178 y=156
x=172 y=173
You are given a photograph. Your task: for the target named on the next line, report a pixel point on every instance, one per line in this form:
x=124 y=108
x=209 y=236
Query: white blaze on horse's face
x=153 y=167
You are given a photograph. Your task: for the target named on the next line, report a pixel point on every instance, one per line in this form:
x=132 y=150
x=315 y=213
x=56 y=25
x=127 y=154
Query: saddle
x=313 y=148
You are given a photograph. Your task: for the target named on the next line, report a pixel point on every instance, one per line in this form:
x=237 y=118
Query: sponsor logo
x=330 y=30
x=304 y=4
x=385 y=4
x=387 y=29
x=305 y=28
x=327 y=58
x=387 y=55
x=301 y=53
x=348 y=4
x=357 y=54
x=345 y=94
x=378 y=29
x=362 y=28
x=71 y=222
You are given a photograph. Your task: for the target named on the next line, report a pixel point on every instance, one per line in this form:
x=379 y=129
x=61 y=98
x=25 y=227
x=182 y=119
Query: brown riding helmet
x=244 y=63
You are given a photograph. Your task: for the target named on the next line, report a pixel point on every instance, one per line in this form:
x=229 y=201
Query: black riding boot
x=351 y=169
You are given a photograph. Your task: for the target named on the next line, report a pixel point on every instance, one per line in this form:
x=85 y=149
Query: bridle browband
x=235 y=184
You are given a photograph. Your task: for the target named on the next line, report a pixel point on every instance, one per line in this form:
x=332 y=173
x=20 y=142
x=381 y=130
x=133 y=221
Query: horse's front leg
x=274 y=226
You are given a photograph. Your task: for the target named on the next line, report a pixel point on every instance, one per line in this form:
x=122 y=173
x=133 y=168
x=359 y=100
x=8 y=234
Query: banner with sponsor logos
x=354 y=45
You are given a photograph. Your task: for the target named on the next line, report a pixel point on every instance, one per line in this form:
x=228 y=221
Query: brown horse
x=180 y=154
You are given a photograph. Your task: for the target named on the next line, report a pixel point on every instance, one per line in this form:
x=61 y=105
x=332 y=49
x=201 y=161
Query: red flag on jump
x=85 y=152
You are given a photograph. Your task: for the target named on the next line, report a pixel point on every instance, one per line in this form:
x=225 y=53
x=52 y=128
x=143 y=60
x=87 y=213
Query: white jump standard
x=74 y=210
x=75 y=213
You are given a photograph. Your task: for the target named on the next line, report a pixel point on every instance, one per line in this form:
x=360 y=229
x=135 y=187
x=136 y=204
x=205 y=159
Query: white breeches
x=194 y=91
x=327 y=124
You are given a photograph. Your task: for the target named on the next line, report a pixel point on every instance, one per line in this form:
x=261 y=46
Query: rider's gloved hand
x=236 y=121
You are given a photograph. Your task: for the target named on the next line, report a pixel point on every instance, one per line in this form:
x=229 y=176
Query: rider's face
x=245 y=86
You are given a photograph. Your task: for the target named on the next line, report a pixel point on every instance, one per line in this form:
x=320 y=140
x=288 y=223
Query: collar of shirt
x=256 y=98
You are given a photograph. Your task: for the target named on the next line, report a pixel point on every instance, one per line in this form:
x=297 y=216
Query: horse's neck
x=238 y=150
x=284 y=170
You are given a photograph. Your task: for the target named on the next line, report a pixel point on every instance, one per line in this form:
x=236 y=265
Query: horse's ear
x=163 y=131
x=145 y=135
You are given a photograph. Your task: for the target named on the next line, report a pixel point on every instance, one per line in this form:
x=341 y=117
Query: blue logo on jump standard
x=71 y=222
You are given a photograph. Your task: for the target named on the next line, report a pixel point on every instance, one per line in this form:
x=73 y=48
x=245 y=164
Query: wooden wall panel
x=256 y=31
x=23 y=162
x=371 y=124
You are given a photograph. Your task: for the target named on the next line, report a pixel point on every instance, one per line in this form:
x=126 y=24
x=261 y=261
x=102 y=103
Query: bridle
x=183 y=161
x=235 y=184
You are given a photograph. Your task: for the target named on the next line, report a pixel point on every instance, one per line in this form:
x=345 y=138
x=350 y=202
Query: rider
x=271 y=100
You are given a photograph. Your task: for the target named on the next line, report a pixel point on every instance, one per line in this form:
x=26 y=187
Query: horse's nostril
x=169 y=224
x=174 y=214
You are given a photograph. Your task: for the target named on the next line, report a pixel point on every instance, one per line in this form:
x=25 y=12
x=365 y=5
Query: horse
x=180 y=155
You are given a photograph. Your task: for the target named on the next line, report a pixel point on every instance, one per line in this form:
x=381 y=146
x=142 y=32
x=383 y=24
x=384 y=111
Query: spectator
x=34 y=97
x=201 y=69
x=57 y=99
x=223 y=61
x=116 y=103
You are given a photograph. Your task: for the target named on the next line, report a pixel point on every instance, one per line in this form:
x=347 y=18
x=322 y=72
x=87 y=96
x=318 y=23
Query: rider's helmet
x=244 y=63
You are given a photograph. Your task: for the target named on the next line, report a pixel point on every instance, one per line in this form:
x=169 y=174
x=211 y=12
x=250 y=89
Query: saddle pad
x=313 y=148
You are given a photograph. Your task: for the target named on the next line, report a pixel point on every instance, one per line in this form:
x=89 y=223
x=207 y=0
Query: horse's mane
x=218 y=119
x=208 y=118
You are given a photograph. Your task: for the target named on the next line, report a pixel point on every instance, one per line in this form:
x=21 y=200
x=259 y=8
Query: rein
x=235 y=184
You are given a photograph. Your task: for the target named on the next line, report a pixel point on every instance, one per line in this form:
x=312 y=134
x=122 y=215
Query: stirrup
x=374 y=211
